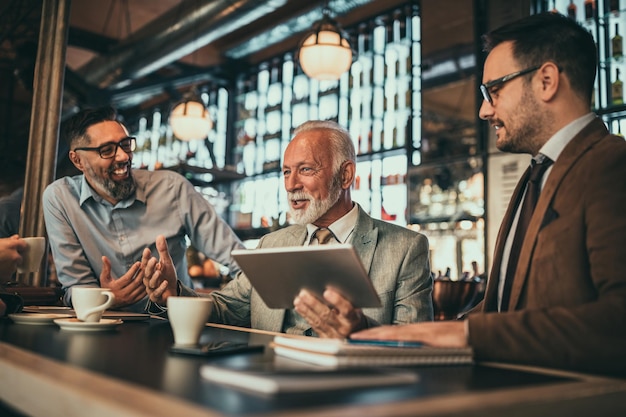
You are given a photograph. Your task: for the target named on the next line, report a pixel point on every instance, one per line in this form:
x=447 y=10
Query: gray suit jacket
x=569 y=291
x=395 y=257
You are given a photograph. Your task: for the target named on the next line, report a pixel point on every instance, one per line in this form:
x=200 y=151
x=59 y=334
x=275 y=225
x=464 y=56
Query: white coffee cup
x=90 y=302
x=187 y=316
x=31 y=257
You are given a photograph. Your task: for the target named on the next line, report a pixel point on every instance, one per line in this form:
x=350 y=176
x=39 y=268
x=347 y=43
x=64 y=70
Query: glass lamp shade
x=325 y=55
x=190 y=120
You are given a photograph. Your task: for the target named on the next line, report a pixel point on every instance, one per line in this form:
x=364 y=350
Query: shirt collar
x=555 y=145
x=342 y=228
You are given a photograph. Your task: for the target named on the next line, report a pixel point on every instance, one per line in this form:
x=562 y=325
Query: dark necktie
x=322 y=236
x=533 y=187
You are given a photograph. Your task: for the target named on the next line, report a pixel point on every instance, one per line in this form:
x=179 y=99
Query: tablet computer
x=278 y=274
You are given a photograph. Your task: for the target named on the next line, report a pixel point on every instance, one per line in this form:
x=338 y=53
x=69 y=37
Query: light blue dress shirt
x=82 y=227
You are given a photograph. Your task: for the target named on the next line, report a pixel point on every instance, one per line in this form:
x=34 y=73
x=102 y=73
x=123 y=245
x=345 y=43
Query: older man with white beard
x=319 y=169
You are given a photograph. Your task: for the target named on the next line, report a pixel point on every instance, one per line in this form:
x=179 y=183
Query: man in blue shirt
x=101 y=222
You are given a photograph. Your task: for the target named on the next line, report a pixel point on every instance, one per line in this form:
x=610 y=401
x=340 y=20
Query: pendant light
x=190 y=119
x=325 y=53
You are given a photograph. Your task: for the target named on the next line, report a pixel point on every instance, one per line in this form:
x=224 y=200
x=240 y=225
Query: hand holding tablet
x=278 y=274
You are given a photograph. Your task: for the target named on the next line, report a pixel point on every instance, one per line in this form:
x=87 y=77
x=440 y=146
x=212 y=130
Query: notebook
x=278 y=274
x=268 y=378
x=337 y=353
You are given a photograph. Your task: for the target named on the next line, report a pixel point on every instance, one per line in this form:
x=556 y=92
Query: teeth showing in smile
x=120 y=171
x=298 y=203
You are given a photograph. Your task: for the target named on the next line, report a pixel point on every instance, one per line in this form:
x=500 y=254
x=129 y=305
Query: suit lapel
x=574 y=150
x=491 y=293
x=365 y=239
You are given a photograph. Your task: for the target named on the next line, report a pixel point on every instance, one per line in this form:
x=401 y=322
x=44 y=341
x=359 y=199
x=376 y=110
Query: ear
x=347 y=174
x=550 y=78
x=75 y=158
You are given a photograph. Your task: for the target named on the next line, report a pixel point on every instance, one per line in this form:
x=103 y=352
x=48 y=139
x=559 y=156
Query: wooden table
x=46 y=371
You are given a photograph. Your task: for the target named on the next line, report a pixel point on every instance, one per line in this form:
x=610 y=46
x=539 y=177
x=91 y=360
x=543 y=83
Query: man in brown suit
x=566 y=306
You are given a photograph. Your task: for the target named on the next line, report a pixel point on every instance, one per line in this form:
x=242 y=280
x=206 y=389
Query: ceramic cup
x=90 y=303
x=187 y=316
x=31 y=257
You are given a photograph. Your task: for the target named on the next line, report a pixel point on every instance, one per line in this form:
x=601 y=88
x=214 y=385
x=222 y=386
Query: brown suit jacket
x=568 y=300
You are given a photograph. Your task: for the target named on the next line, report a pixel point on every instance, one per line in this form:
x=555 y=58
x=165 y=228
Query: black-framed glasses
x=108 y=150
x=484 y=88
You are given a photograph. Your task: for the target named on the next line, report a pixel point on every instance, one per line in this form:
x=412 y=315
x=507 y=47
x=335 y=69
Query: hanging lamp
x=325 y=53
x=190 y=119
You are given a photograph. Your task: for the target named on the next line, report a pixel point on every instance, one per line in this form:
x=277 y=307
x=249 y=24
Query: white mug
x=90 y=302
x=31 y=257
x=187 y=316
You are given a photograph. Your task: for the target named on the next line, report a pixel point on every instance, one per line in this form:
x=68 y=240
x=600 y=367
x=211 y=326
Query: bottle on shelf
x=617 y=89
x=571 y=10
x=554 y=9
x=614 y=7
x=475 y=275
x=617 y=44
x=590 y=9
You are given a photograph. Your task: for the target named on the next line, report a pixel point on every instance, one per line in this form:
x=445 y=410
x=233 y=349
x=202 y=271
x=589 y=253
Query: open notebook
x=340 y=353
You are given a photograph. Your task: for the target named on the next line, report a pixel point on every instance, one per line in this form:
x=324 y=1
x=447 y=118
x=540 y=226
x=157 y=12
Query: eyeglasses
x=108 y=150
x=484 y=88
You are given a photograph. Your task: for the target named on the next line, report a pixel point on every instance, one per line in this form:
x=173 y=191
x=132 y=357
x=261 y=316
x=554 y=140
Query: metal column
x=44 y=125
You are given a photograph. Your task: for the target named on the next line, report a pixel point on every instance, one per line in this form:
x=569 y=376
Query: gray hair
x=341 y=145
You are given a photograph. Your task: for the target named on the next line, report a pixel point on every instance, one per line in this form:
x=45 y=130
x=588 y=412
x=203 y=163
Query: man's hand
x=11 y=249
x=338 y=321
x=439 y=334
x=128 y=289
x=160 y=277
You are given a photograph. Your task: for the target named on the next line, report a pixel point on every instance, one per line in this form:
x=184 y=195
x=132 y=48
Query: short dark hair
x=551 y=37
x=73 y=130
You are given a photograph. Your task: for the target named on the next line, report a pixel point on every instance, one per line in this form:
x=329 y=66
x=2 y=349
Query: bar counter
x=128 y=371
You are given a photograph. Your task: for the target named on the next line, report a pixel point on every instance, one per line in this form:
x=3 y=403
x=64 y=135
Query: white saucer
x=125 y=315
x=107 y=314
x=47 y=309
x=37 y=318
x=82 y=326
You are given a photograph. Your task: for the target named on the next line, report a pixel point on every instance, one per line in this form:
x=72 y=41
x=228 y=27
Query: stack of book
x=342 y=353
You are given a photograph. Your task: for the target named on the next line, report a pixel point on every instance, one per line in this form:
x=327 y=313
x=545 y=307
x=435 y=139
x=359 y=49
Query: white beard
x=316 y=208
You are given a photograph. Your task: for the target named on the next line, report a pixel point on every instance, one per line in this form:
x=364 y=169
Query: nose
x=486 y=110
x=292 y=183
x=121 y=154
